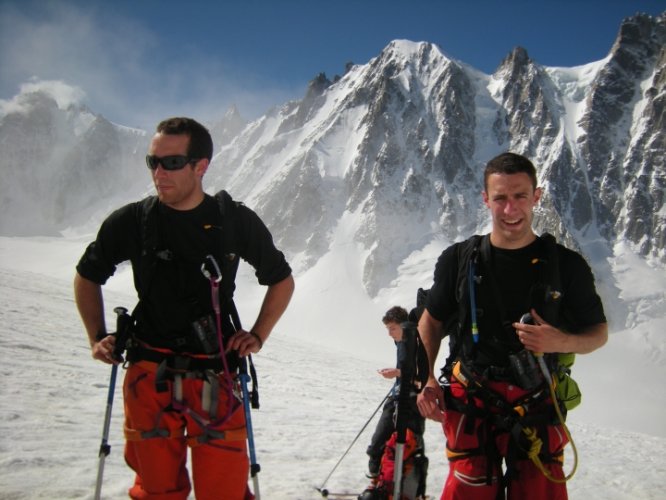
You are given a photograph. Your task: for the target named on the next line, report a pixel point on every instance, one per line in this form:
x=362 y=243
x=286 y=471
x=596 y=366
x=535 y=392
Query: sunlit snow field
x=316 y=393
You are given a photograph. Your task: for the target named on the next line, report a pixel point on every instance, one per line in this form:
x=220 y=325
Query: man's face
x=511 y=200
x=178 y=189
x=394 y=330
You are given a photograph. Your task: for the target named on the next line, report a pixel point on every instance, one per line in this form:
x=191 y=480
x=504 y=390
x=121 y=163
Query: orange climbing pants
x=159 y=428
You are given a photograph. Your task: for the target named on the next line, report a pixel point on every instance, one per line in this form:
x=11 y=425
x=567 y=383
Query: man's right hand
x=103 y=350
x=430 y=402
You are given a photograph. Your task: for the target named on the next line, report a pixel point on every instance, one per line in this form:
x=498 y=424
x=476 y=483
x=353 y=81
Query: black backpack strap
x=229 y=243
x=546 y=295
x=459 y=327
x=150 y=253
x=230 y=260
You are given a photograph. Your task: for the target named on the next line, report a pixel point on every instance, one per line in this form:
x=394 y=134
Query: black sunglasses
x=175 y=162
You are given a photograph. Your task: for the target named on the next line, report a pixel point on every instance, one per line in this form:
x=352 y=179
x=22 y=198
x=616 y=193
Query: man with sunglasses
x=181 y=388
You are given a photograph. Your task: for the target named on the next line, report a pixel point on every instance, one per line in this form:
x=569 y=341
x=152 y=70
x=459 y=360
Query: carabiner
x=218 y=274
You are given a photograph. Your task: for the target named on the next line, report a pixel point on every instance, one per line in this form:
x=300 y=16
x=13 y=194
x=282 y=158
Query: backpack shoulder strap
x=459 y=327
x=470 y=252
x=230 y=261
x=552 y=256
x=149 y=234
x=546 y=296
x=229 y=244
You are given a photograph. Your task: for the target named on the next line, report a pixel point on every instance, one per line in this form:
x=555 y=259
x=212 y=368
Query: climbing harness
x=514 y=417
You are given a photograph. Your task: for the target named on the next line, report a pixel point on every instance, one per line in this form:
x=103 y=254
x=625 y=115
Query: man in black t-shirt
x=485 y=394
x=180 y=387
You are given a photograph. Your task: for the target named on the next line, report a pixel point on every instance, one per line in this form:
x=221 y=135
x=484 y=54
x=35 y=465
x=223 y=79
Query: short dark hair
x=201 y=143
x=509 y=163
x=396 y=314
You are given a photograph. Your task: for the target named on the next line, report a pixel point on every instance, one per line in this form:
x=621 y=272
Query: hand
x=244 y=342
x=541 y=337
x=103 y=350
x=389 y=372
x=430 y=402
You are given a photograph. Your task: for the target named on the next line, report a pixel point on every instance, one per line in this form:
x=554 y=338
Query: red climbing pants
x=159 y=429
x=476 y=451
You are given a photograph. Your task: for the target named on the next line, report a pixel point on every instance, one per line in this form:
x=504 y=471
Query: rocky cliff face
x=401 y=142
x=623 y=134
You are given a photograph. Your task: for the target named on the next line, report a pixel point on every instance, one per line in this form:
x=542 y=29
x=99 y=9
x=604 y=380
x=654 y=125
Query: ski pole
x=254 y=466
x=247 y=397
x=105 y=448
x=321 y=489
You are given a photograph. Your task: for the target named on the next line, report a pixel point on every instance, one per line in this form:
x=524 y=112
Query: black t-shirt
x=502 y=303
x=178 y=292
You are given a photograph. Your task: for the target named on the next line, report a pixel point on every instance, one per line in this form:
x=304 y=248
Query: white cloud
x=64 y=94
x=133 y=74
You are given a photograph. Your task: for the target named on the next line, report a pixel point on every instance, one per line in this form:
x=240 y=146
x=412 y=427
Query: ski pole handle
x=123 y=322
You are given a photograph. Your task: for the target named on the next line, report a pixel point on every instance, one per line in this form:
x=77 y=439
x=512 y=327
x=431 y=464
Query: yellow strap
x=536 y=444
x=453 y=455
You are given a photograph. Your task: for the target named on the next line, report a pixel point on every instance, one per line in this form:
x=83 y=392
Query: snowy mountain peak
x=395 y=148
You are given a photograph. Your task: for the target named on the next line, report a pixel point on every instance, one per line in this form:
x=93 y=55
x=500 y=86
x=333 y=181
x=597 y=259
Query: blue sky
x=140 y=60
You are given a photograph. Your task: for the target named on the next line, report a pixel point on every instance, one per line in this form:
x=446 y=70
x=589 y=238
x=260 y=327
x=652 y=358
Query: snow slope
x=314 y=401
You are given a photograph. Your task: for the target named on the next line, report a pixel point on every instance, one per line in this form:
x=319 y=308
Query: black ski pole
x=321 y=489
x=406 y=366
x=122 y=324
